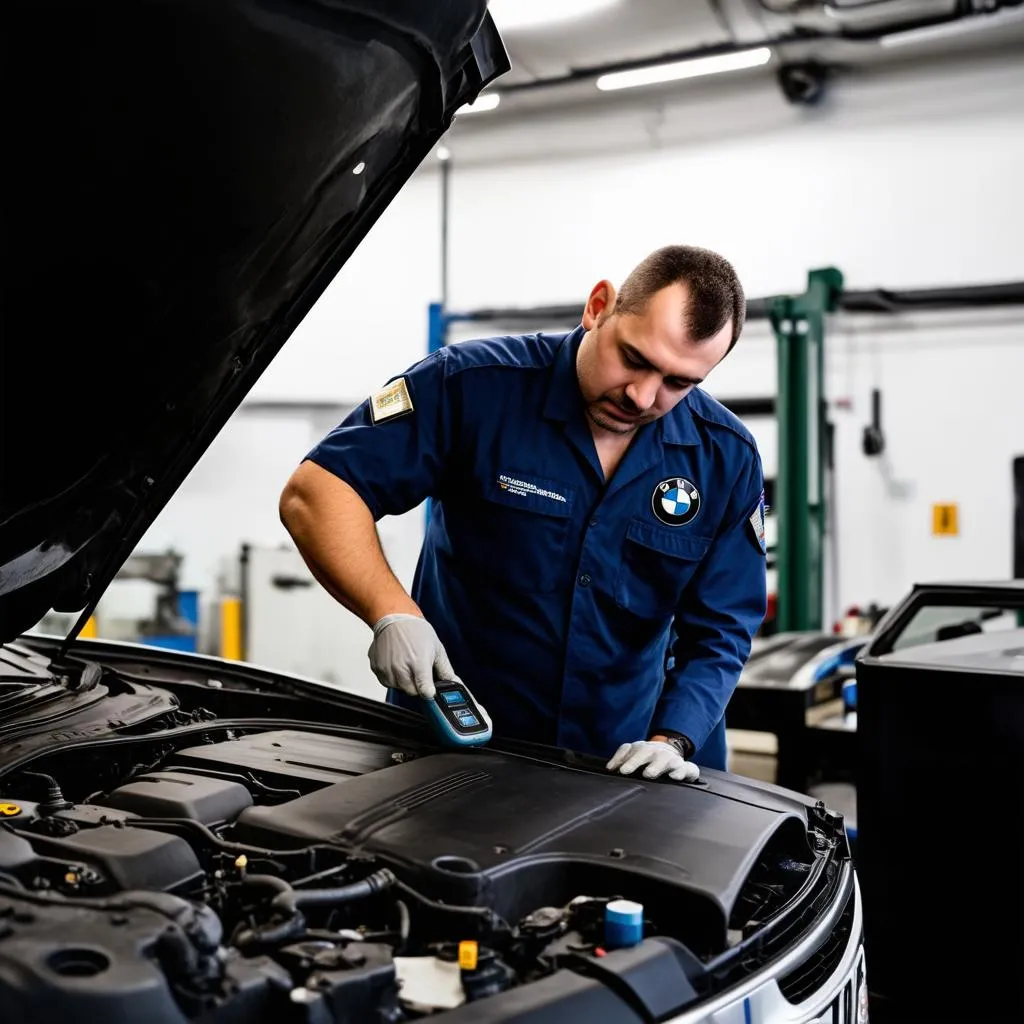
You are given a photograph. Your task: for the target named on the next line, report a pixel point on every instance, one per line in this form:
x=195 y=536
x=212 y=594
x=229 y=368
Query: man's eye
x=632 y=361
x=676 y=385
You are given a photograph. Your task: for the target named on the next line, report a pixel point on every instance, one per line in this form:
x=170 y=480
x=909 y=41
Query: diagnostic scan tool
x=457 y=719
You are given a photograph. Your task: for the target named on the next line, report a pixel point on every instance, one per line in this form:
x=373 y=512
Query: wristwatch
x=681 y=743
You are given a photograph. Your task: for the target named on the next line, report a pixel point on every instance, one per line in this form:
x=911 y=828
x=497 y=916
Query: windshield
x=935 y=623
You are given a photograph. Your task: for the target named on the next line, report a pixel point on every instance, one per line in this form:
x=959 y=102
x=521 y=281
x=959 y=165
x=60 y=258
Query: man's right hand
x=407 y=655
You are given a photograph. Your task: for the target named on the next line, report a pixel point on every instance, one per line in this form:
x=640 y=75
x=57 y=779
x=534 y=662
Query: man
x=587 y=498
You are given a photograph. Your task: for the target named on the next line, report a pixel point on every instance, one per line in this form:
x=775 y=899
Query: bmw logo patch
x=676 y=501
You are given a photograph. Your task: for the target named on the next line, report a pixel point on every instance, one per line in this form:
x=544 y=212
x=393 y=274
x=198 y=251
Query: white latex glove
x=407 y=655
x=659 y=758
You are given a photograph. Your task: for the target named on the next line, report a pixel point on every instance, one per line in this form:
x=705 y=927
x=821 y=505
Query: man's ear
x=599 y=305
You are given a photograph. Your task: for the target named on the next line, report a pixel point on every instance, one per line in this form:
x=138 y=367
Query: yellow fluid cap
x=241 y=862
x=71 y=878
x=468 y=952
x=9 y=810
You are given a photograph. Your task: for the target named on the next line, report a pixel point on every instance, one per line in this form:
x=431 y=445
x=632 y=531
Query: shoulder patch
x=757 y=524
x=391 y=400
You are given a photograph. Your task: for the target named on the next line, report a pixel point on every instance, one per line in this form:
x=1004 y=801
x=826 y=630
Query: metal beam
x=874 y=300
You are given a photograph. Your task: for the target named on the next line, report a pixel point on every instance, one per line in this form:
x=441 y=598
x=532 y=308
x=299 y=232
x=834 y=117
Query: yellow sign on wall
x=945 y=520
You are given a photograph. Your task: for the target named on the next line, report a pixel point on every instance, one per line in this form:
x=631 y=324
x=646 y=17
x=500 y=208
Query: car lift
x=804 y=459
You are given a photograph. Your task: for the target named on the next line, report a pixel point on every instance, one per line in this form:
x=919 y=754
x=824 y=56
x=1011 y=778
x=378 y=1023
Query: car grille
x=802 y=982
x=844 y=1007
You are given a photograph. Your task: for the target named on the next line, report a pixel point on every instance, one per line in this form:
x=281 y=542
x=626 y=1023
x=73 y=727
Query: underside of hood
x=183 y=180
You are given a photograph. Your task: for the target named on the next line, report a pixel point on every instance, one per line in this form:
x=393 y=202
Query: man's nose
x=643 y=391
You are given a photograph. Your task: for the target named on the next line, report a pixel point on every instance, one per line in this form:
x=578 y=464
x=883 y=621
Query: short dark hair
x=715 y=291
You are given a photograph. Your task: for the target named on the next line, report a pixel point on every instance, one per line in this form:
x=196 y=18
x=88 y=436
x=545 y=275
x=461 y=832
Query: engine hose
x=279 y=885
x=163 y=824
x=288 y=901
x=271 y=934
x=450 y=908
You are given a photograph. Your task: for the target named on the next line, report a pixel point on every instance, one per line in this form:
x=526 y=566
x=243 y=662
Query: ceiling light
x=947 y=29
x=677 y=70
x=444 y=153
x=513 y=14
x=486 y=102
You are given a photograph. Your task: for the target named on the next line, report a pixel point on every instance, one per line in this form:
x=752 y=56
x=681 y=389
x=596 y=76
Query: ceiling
x=559 y=61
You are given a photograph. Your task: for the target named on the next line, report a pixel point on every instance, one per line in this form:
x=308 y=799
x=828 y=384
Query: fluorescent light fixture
x=510 y=15
x=486 y=102
x=692 y=68
x=948 y=29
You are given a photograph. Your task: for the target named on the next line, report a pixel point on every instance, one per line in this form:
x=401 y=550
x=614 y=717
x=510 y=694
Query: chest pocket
x=520 y=536
x=657 y=564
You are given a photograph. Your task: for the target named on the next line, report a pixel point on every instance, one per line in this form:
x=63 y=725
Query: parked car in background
x=939 y=771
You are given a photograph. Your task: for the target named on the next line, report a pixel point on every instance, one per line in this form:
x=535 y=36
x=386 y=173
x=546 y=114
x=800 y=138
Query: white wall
x=908 y=179
x=903 y=178
x=953 y=417
x=371 y=322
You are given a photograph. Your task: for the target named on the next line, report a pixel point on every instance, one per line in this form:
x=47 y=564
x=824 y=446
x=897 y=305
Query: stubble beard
x=613 y=426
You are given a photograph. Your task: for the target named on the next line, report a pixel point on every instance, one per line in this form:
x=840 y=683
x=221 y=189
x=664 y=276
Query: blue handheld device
x=456 y=718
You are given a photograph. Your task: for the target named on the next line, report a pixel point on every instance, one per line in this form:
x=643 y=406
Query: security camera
x=803 y=82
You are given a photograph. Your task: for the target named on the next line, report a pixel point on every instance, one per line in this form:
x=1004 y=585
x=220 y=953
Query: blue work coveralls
x=553 y=591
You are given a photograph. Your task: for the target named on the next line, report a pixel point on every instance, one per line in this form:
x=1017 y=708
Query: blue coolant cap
x=623 y=924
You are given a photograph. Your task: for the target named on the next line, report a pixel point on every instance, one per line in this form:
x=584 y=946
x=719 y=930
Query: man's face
x=634 y=368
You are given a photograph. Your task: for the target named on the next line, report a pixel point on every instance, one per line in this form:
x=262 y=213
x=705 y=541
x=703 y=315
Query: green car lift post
x=798 y=322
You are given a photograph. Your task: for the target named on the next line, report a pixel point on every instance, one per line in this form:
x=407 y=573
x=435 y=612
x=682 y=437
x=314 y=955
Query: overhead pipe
x=963 y=9
x=874 y=300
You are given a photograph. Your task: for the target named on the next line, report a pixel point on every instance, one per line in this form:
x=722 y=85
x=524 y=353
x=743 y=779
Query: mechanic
x=594 y=560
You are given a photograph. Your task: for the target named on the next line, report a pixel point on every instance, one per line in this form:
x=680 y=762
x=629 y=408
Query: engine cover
x=70 y=963
x=180 y=795
x=483 y=827
x=128 y=858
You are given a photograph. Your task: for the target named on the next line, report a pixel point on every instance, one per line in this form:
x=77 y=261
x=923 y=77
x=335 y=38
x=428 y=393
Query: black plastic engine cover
x=130 y=858
x=656 y=973
x=181 y=795
x=563 y=998
x=15 y=851
x=285 y=757
x=61 y=963
x=484 y=827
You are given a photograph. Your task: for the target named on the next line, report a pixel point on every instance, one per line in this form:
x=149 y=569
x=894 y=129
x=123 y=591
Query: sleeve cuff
x=679 y=740
x=683 y=718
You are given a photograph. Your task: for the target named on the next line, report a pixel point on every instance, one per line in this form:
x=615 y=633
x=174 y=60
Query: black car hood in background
x=183 y=178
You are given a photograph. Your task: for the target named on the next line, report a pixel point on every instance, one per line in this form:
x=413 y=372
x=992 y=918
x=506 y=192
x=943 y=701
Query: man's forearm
x=335 y=533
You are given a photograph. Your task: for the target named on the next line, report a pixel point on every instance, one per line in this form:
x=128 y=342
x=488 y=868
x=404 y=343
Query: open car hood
x=164 y=240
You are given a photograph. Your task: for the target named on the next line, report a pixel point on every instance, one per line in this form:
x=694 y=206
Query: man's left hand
x=659 y=757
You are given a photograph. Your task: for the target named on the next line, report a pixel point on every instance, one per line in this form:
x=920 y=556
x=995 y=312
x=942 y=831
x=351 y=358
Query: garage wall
x=953 y=417
x=904 y=179
x=371 y=321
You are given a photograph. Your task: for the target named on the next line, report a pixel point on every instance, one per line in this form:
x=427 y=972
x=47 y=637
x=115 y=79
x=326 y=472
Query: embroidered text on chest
x=524 y=487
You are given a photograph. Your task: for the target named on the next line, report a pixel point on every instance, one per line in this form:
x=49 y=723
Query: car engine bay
x=242 y=873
